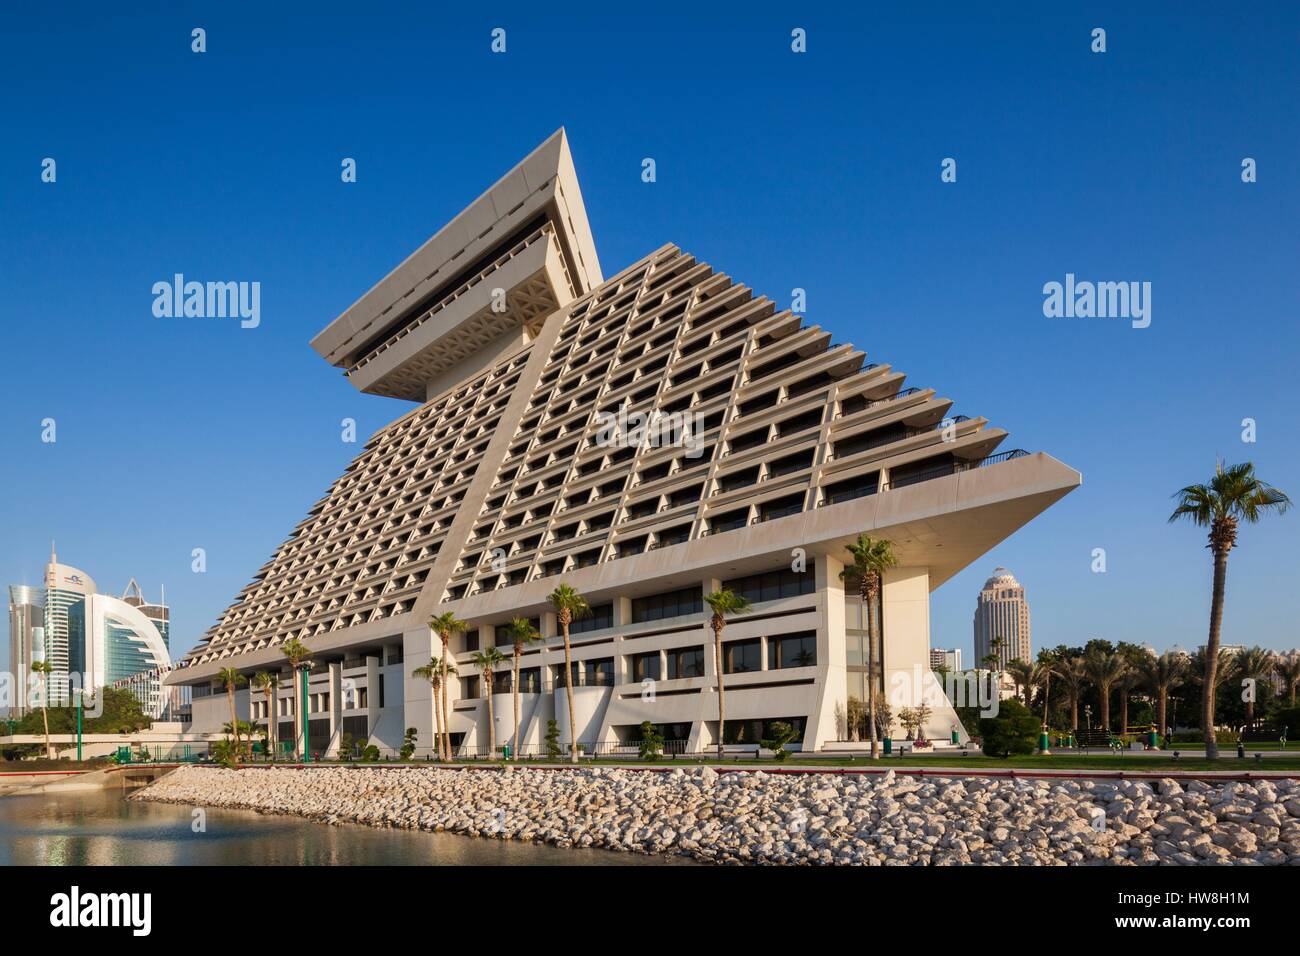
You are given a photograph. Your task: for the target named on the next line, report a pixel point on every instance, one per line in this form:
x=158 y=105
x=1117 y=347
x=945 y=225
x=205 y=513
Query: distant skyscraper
x=26 y=640
x=1002 y=612
x=90 y=639
x=950 y=660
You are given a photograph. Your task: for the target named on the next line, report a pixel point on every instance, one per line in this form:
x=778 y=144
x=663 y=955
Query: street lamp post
x=305 y=670
x=1087 y=713
x=79 y=701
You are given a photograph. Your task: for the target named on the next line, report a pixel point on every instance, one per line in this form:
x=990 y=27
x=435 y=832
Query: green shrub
x=782 y=733
x=652 y=742
x=1013 y=731
x=408 y=744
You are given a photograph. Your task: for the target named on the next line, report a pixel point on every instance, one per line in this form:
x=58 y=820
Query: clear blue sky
x=819 y=171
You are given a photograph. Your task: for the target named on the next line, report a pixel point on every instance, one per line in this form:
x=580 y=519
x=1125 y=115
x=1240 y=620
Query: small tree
x=884 y=715
x=923 y=712
x=652 y=742
x=1013 y=731
x=226 y=753
x=781 y=734
x=553 y=739
x=408 y=744
x=855 y=718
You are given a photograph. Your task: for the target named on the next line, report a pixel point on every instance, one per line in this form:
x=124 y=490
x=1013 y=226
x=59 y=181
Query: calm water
x=103 y=829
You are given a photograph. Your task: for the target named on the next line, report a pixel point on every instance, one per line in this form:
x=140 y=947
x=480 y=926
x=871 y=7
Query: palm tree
x=231 y=678
x=298 y=655
x=485 y=660
x=870 y=558
x=995 y=651
x=267 y=684
x=1128 y=682
x=1104 y=670
x=1288 y=668
x=1074 y=675
x=721 y=603
x=445 y=625
x=1257 y=665
x=521 y=633
x=1232 y=496
x=432 y=672
x=569 y=605
x=45 y=669
x=1040 y=675
x=1022 y=673
x=1160 y=675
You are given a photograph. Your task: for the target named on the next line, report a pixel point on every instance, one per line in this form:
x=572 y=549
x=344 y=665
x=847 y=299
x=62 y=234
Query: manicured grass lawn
x=1250 y=748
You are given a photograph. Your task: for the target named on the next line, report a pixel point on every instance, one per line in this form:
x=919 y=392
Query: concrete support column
x=827 y=722
x=622 y=611
x=335 y=707
x=905 y=597
x=372 y=694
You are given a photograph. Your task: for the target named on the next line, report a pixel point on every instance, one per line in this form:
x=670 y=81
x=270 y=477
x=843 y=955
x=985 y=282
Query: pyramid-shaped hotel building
x=536 y=454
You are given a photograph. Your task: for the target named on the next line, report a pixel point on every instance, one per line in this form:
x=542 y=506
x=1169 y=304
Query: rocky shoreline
x=756 y=817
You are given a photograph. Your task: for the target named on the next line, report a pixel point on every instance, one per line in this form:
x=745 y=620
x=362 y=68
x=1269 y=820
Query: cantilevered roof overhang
x=521 y=250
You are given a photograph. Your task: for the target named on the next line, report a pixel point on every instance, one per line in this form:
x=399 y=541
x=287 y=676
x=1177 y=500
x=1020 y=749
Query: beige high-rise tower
x=1002 y=612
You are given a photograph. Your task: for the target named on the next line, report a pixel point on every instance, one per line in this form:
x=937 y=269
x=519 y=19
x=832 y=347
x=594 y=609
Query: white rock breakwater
x=755 y=817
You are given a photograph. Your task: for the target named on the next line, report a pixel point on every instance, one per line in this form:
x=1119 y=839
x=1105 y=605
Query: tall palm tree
x=485 y=660
x=1257 y=665
x=231 y=678
x=1160 y=675
x=1104 y=670
x=1288 y=668
x=569 y=605
x=297 y=654
x=432 y=672
x=445 y=625
x=721 y=603
x=1235 y=494
x=443 y=688
x=1040 y=675
x=267 y=683
x=1197 y=663
x=995 y=652
x=869 y=560
x=1128 y=682
x=521 y=633
x=44 y=669
x=1022 y=673
x=1074 y=677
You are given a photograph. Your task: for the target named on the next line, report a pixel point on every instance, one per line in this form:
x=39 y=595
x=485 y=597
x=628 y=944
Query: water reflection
x=103 y=829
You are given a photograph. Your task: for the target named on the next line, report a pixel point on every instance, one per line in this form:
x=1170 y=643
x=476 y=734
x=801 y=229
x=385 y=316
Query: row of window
x=738 y=657
x=767 y=586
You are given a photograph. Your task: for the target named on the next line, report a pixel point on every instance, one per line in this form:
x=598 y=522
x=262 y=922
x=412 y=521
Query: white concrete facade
x=505 y=481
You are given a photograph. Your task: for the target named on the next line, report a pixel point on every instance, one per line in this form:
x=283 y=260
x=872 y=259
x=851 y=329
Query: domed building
x=1002 y=612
